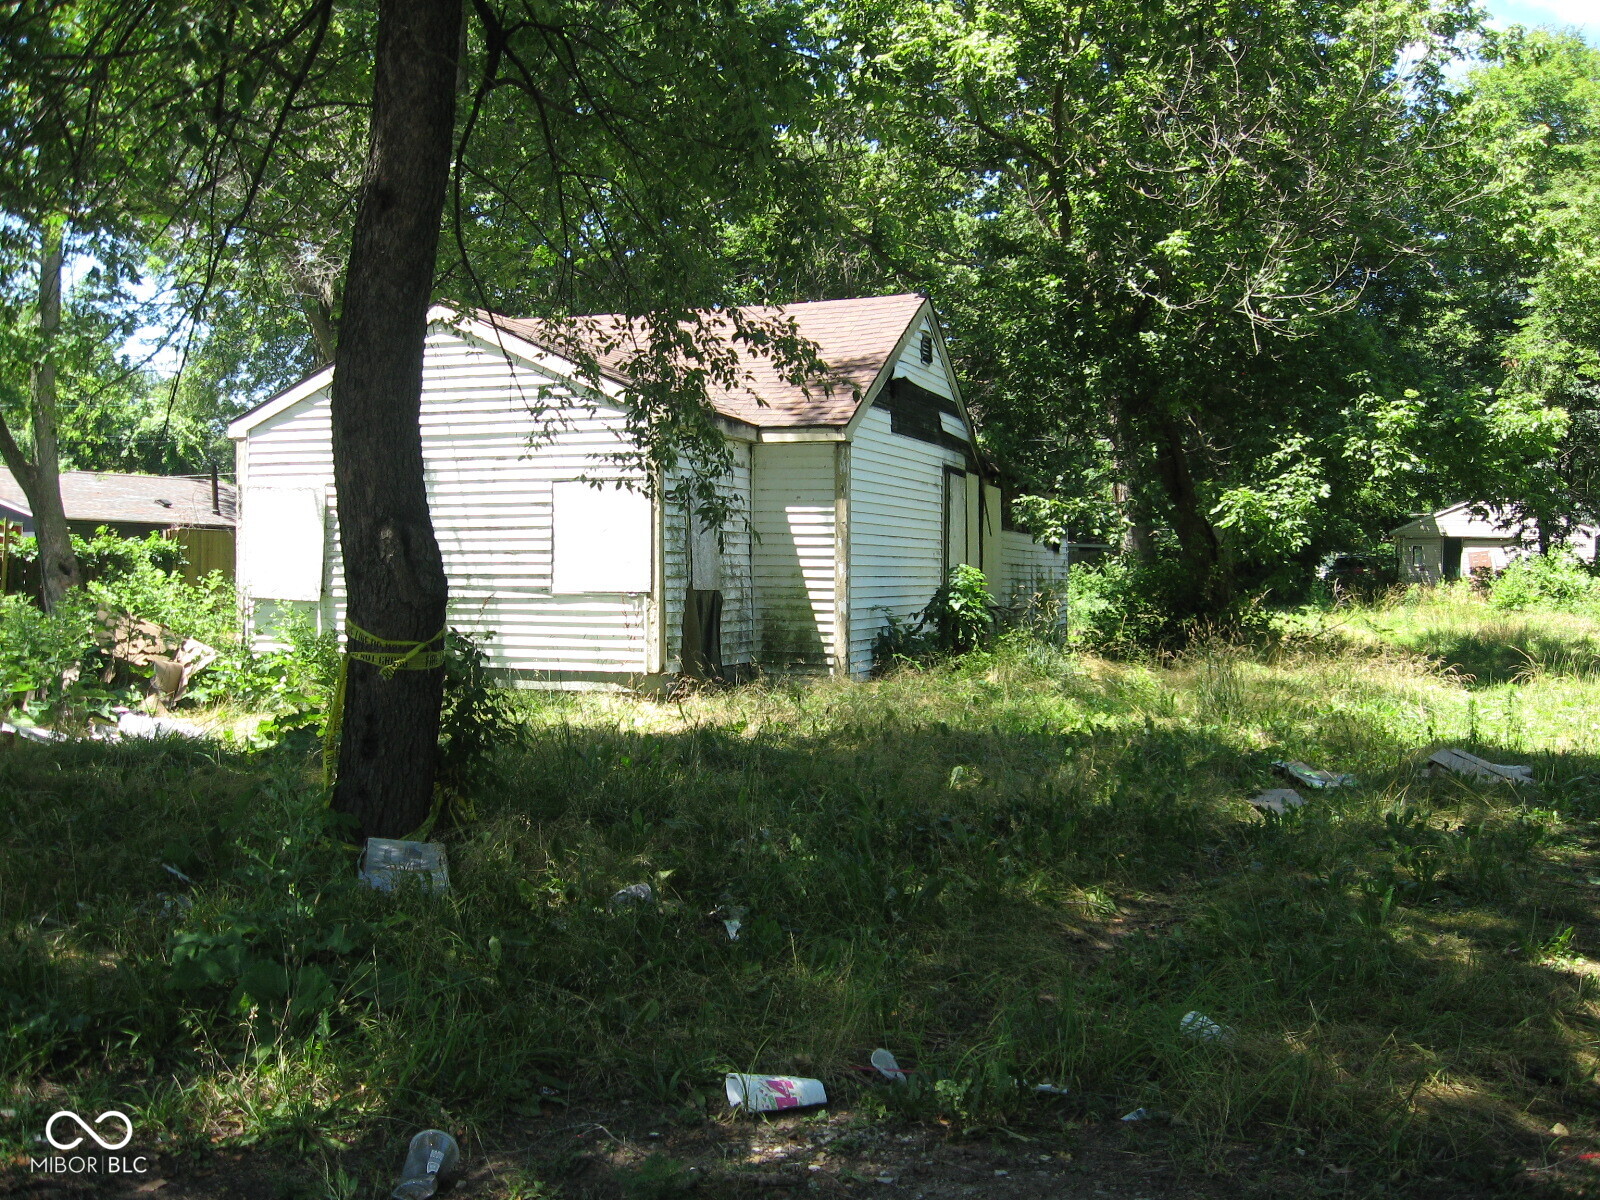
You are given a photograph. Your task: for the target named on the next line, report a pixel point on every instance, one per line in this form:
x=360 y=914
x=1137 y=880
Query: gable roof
x=145 y=499
x=854 y=339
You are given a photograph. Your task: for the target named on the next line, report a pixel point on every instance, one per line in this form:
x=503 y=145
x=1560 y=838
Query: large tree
x=1143 y=220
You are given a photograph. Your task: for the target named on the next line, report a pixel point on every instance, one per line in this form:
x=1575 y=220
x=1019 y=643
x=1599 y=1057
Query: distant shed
x=1458 y=541
x=196 y=511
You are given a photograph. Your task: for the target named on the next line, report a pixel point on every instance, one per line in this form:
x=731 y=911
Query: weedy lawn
x=1024 y=866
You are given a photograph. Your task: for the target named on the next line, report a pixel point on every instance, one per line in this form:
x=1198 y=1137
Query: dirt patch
x=635 y=1151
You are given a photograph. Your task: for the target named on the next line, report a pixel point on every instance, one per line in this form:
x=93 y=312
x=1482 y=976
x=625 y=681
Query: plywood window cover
x=601 y=538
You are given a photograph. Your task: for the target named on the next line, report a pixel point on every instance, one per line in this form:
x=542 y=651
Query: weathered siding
x=738 y=594
x=896 y=528
x=490 y=494
x=792 y=562
x=1028 y=565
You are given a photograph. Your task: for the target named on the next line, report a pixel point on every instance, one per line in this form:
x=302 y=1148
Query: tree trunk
x=393 y=572
x=40 y=479
x=1198 y=545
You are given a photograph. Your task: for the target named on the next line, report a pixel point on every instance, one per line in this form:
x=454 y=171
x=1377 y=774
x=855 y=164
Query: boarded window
x=955 y=518
x=600 y=539
x=283 y=543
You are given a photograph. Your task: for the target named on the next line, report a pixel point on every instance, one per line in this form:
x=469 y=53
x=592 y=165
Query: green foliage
x=1122 y=604
x=960 y=617
x=49 y=655
x=477 y=721
x=1556 y=579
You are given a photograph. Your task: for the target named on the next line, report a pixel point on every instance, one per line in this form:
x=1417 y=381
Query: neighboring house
x=1455 y=542
x=850 y=502
x=195 y=511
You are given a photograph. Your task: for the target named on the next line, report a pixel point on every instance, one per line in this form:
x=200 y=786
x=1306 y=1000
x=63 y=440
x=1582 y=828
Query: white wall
x=1027 y=565
x=896 y=528
x=792 y=561
x=490 y=495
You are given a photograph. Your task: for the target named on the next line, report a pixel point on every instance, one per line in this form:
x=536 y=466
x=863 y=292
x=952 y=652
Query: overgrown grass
x=1021 y=866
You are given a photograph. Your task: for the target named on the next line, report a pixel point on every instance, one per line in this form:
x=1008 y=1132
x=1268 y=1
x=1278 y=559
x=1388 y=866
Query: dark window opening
x=927 y=347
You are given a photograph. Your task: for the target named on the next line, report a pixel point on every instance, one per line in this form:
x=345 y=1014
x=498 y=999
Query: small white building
x=849 y=504
x=1456 y=542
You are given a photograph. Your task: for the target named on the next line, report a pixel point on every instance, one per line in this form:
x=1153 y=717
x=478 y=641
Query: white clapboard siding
x=792 y=562
x=932 y=375
x=1029 y=565
x=896 y=527
x=738 y=593
x=489 y=490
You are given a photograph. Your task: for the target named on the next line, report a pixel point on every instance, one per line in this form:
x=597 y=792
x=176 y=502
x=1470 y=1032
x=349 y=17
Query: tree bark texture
x=393 y=572
x=1199 y=548
x=40 y=478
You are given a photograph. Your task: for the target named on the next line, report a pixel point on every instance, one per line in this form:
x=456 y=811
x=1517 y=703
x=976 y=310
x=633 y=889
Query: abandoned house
x=849 y=503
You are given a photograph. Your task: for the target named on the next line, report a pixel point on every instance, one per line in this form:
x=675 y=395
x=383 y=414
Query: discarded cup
x=888 y=1066
x=634 y=893
x=432 y=1162
x=386 y=861
x=773 y=1093
x=1050 y=1089
x=1198 y=1025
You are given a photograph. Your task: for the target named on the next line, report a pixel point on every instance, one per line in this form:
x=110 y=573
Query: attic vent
x=927 y=348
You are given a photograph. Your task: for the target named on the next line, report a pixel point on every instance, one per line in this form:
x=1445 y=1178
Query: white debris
x=1278 y=800
x=134 y=724
x=888 y=1066
x=1313 y=777
x=1198 y=1025
x=387 y=860
x=32 y=732
x=1459 y=762
x=634 y=893
x=1051 y=1089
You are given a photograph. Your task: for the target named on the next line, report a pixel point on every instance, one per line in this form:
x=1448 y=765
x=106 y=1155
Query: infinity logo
x=50 y=1136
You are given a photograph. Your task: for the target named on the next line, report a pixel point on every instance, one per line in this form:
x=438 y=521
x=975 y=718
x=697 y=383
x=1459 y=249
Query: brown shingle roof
x=148 y=499
x=854 y=338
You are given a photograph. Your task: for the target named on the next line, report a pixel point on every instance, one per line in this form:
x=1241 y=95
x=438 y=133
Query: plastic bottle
x=431 y=1164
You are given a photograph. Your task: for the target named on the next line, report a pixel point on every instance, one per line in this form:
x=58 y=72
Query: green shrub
x=1557 y=579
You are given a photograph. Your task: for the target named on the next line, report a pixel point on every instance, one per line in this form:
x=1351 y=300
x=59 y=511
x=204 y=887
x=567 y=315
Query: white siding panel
x=496 y=438
x=1028 y=564
x=896 y=529
x=929 y=375
x=792 y=562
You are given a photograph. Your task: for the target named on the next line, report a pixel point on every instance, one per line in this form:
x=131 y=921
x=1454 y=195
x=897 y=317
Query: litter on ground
x=387 y=860
x=1459 y=762
x=1278 y=800
x=32 y=733
x=634 y=893
x=772 y=1093
x=432 y=1162
x=1198 y=1025
x=1311 y=776
x=1050 y=1089
x=888 y=1066
x=136 y=724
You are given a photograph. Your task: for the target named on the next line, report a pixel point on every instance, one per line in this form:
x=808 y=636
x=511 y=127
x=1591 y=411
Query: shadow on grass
x=995 y=901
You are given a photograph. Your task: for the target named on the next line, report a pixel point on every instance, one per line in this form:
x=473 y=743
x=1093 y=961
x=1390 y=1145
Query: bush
x=1124 y=604
x=959 y=618
x=1557 y=579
